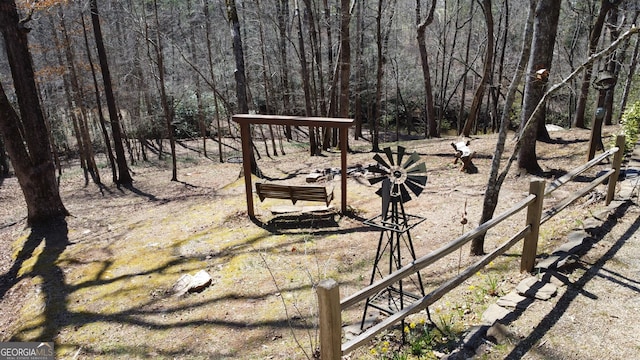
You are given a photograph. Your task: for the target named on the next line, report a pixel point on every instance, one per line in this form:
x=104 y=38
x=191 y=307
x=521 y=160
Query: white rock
x=188 y=283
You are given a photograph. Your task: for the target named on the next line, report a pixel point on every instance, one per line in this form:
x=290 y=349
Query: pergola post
x=343 y=169
x=245 y=133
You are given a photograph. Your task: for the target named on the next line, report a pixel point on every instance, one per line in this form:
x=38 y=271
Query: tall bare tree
x=486 y=72
x=304 y=73
x=213 y=82
x=124 y=176
x=494 y=183
x=633 y=65
x=467 y=50
x=594 y=39
x=77 y=95
x=164 y=99
x=431 y=130
x=545 y=26
x=26 y=136
x=101 y=119
x=238 y=54
x=345 y=57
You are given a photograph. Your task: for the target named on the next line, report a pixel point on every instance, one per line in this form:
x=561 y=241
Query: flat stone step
x=515 y=301
x=534 y=288
x=570 y=247
x=494 y=313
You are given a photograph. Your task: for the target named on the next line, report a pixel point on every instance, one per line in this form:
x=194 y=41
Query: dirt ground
x=100 y=283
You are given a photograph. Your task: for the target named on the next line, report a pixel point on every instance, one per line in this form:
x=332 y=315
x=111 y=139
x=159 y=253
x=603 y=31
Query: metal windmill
x=397 y=176
x=398 y=180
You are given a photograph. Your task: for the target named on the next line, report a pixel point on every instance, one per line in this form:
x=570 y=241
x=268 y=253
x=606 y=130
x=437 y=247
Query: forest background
x=420 y=68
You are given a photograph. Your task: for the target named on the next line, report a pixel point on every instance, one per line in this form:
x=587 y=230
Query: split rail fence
x=328 y=291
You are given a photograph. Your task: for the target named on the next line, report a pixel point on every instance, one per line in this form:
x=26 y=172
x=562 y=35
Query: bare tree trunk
x=265 y=81
x=333 y=92
x=241 y=82
x=446 y=69
x=594 y=39
x=78 y=97
x=628 y=84
x=304 y=73
x=345 y=57
x=82 y=154
x=379 y=73
x=360 y=81
x=544 y=35
x=101 y=119
x=124 y=177
x=30 y=151
x=200 y=113
x=207 y=24
x=612 y=66
x=166 y=108
x=496 y=89
x=345 y=60
x=282 y=10
x=238 y=54
x=495 y=181
x=486 y=73
x=431 y=130
x=317 y=56
x=463 y=95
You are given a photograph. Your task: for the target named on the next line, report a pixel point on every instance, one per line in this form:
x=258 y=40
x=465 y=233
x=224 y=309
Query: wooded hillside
x=414 y=67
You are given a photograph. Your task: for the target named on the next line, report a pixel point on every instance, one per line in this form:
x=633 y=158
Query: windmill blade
x=381 y=161
x=377 y=169
x=385 y=190
x=414 y=158
x=389 y=153
x=401 y=152
x=415 y=188
x=420 y=168
x=404 y=194
x=417 y=179
x=377 y=179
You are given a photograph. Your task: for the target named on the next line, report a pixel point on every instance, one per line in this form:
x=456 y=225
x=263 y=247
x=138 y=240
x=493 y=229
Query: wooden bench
x=294 y=192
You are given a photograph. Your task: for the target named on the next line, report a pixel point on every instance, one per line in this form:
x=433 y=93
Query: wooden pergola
x=245 y=120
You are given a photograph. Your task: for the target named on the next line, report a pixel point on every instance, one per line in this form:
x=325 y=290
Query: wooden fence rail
x=328 y=292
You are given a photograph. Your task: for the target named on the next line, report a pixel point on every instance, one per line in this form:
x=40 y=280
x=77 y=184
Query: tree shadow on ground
x=561 y=141
x=47 y=242
x=139 y=192
x=54 y=235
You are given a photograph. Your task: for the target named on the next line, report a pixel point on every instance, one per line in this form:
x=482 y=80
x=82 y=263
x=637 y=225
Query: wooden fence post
x=329 y=318
x=617 y=161
x=534 y=213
